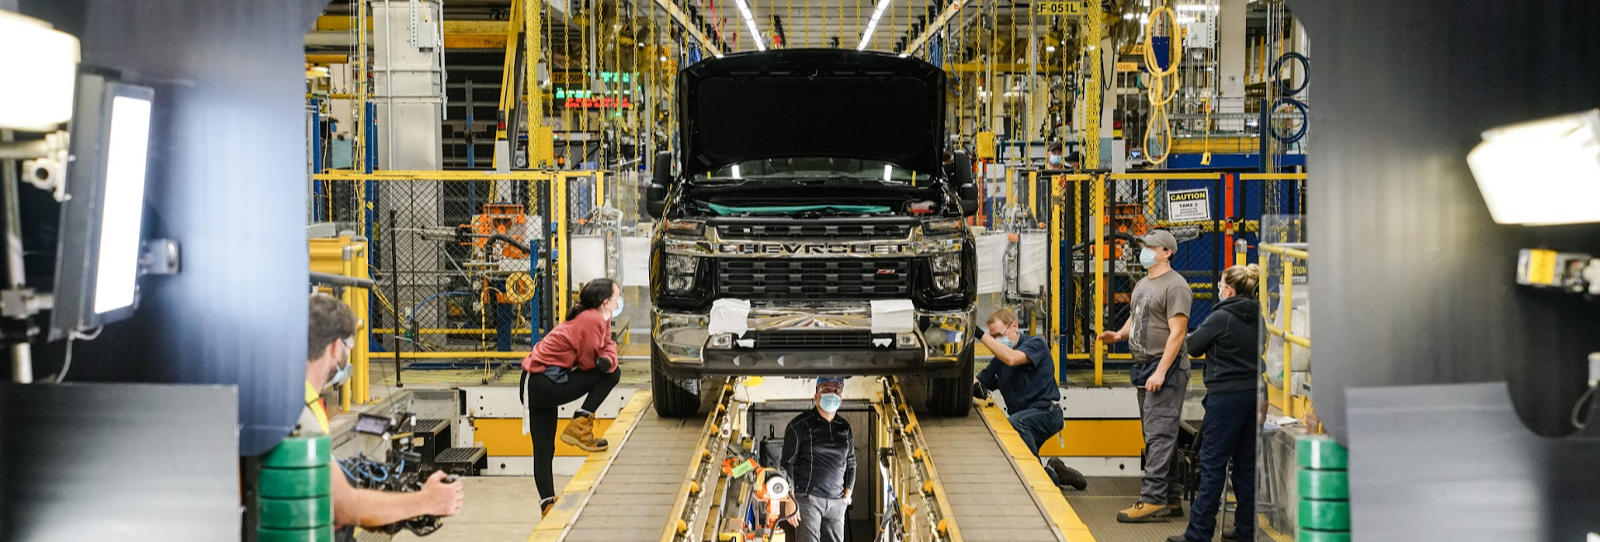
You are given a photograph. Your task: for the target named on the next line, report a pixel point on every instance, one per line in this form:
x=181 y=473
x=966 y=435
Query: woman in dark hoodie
x=1230 y=338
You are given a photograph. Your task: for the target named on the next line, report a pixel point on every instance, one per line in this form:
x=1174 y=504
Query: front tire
x=951 y=396
x=674 y=397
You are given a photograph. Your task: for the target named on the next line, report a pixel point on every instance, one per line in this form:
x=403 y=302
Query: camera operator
x=330 y=338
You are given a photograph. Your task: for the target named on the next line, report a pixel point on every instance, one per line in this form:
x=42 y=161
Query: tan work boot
x=1143 y=513
x=580 y=433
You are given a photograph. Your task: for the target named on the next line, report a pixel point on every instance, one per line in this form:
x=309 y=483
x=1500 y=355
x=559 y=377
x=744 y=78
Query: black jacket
x=1231 y=340
x=820 y=456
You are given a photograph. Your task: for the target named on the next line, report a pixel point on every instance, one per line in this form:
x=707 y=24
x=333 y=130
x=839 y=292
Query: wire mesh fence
x=1206 y=212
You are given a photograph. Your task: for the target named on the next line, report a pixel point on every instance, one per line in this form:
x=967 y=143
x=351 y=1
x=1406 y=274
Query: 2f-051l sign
x=1056 y=8
x=1189 y=205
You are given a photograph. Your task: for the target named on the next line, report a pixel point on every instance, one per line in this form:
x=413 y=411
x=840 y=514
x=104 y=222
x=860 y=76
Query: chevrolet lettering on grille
x=782 y=249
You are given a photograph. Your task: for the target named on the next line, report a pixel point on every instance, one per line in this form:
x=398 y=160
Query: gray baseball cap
x=1160 y=238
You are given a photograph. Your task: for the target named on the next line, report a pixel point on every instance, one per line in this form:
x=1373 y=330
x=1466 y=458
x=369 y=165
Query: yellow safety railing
x=1286 y=401
x=347 y=256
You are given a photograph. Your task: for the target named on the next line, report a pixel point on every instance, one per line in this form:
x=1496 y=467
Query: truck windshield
x=812 y=168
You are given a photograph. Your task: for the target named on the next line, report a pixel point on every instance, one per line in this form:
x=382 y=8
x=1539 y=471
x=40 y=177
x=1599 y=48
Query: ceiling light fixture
x=750 y=21
x=872 y=24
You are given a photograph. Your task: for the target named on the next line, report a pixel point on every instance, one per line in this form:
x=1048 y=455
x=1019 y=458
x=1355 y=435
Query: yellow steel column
x=558 y=213
x=1033 y=195
x=1098 y=200
x=1091 y=104
x=359 y=304
x=599 y=188
x=1286 y=304
x=1057 y=208
x=531 y=28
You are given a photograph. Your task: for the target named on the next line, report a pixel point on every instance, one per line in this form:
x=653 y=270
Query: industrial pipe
x=24 y=150
x=331 y=279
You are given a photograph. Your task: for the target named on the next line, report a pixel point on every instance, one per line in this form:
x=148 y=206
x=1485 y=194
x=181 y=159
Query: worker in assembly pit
x=331 y=335
x=1026 y=376
x=819 y=454
x=576 y=359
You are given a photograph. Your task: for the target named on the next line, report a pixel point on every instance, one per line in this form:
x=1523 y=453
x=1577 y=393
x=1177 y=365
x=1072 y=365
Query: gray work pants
x=1159 y=413
x=821 y=519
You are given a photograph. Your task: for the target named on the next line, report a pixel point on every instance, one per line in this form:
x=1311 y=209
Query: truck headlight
x=680 y=271
x=947 y=263
x=947 y=283
x=681 y=265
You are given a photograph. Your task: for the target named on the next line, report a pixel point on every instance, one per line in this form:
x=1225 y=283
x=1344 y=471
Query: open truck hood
x=812 y=103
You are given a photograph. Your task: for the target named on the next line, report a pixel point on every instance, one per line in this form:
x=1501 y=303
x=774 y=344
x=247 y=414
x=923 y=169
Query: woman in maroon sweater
x=576 y=358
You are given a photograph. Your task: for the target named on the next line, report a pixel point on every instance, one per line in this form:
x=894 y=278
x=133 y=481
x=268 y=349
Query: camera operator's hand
x=444 y=499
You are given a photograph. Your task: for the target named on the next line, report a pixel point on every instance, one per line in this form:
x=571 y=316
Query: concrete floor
x=497 y=509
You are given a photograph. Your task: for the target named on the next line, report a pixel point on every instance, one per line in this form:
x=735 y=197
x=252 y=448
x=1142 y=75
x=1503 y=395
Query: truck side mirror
x=655 y=193
x=966 y=190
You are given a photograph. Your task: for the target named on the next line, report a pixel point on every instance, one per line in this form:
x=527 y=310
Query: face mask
x=1055 y=160
x=1225 y=292
x=617 y=311
x=830 y=402
x=343 y=372
x=1005 y=341
x=1147 y=258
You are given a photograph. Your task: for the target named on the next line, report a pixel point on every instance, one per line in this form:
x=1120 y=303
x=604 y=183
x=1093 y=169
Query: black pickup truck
x=816 y=208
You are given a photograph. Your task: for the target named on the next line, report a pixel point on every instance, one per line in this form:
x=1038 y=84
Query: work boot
x=1143 y=512
x=1175 y=510
x=1067 y=476
x=1230 y=535
x=580 y=433
x=545 y=505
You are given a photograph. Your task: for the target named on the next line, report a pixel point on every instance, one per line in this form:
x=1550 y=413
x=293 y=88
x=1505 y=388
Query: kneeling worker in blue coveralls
x=1026 y=376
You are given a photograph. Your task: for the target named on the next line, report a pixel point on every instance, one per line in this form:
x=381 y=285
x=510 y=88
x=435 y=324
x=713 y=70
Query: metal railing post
x=1098 y=200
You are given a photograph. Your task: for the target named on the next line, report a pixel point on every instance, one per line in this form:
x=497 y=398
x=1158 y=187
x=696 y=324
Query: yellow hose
x=1159 y=98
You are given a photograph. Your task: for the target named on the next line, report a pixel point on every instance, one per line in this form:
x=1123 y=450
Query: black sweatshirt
x=1230 y=338
x=819 y=456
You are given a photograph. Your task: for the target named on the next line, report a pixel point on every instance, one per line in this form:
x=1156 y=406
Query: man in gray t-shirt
x=1155 y=331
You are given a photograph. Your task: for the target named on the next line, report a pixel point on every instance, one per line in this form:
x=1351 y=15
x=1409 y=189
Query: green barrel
x=296 y=513
x=1321 y=453
x=319 y=534
x=299 y=453
x=1328 y=485
x=1311 y=535
x=295 y=483
x=1325 y=515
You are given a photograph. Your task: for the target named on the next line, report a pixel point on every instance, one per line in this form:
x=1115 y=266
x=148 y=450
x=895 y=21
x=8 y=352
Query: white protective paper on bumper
x=991 y=262
x=729 y=316
x=893 y=316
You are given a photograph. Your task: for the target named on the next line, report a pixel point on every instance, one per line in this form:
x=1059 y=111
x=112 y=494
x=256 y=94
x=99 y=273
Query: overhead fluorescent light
x=39 y=65
x=872 y=24
x=750 y=21
x=1541 y=172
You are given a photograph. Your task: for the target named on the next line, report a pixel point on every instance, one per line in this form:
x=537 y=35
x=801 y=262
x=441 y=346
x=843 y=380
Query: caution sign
x=1189 y=205
x=1058 y=8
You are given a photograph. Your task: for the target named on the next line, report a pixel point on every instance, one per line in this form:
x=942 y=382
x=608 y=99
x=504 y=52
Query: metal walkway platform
x=627 y=492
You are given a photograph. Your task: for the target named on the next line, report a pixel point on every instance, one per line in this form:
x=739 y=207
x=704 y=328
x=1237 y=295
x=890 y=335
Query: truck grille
x=813 y=230
x=811 y=278
x=814 y=339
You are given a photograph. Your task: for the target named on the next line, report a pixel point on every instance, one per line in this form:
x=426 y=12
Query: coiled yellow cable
x=1159 y=98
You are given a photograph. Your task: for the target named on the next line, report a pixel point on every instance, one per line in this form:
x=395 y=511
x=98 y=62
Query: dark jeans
x=1036 y=425
x=543 y=397
x=1227 y=438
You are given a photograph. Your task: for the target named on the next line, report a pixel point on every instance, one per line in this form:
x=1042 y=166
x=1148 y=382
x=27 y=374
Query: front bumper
x=775 y=343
